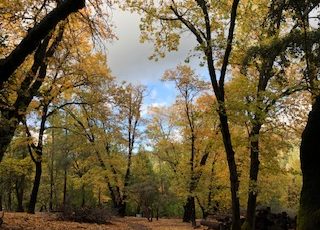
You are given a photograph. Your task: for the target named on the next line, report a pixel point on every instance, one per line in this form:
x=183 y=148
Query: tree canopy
x=73 y=136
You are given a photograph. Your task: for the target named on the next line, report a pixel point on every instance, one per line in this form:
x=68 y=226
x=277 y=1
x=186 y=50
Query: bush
x=86 y=215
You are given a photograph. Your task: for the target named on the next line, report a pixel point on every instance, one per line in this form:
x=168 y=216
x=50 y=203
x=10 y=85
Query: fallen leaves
x=48 y=221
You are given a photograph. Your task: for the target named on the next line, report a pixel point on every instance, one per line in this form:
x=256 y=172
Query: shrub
x=86 y=215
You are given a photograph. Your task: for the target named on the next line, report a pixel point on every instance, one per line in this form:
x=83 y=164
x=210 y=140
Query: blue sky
x=128 y=59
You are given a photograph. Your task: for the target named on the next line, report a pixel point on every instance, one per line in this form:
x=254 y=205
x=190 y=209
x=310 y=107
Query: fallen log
x=213 y=224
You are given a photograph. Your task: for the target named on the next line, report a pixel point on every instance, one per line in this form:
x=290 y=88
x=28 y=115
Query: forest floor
x=39 y=221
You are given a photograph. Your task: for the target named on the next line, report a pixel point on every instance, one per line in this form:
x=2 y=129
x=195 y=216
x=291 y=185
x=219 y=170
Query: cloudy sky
x=128 y=59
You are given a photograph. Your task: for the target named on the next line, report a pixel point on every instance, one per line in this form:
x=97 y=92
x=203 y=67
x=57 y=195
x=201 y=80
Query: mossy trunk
x=309 y=211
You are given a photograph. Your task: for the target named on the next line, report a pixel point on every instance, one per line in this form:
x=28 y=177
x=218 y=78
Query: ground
x=39 y=221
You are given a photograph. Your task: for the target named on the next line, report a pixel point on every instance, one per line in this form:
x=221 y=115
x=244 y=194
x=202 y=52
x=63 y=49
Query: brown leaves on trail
x=47 y=221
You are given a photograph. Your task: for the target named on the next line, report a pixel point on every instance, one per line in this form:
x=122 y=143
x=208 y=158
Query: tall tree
x=129 y=100
x=201 y=21
x=36 y=40
x=54 y=95
x=190 y=87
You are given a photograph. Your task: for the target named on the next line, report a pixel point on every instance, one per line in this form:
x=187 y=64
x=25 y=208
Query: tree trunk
x=190 y=211
x=122 y=208
x=65 y=189
x=51 y=193
x=51 y=172
x=123 y=205
x=9 y=200
x=83 y=192
x=224 y=127
x=7 y=130
x=189 y=208
x=99 y=197
x=117 y=202
x=309 y=211
x=35 y=189
x=10 y=118
x=203 y=210
x=254 y=170
x=19 y=194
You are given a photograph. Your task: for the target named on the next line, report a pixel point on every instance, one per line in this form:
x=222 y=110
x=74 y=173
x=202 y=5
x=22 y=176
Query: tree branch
x=229 y=43
x=33 y=38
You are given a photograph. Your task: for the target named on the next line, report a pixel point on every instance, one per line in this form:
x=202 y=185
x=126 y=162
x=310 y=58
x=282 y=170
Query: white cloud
x=145 y=110
x=128 y=58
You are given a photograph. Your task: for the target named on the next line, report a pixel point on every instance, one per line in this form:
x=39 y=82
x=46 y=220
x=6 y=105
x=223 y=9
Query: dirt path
x=135 y=226
x=47 y=221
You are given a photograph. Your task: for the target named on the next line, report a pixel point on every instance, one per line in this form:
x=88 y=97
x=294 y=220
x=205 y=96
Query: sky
x=128 y=59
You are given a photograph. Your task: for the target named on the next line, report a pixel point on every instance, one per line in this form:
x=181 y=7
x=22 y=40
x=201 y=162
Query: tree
x=12 y=114
x=129 y=100
x=175 y=17
x=54 y=95
x=37 y=40
x=16 y=172
x=34 y=37
x=298 y=41
x=144 y=187
x=190 y=86
x=273 y=84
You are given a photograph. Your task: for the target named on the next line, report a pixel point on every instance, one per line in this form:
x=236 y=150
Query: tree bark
x=224 y=127
x=32 y=40
x=309 y=211
x=20 y=193
x=65 y=189
x=123 y=205
x=190 y=211
x=189 y=208
x=218 y=88
x=35 y=188
x=83 y=193
x=254 y=170
x=114 y=190
x=51 y=172
x=122 y=209
x=9 y=200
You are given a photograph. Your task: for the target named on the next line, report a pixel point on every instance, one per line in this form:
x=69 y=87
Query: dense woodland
x=244 y=137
